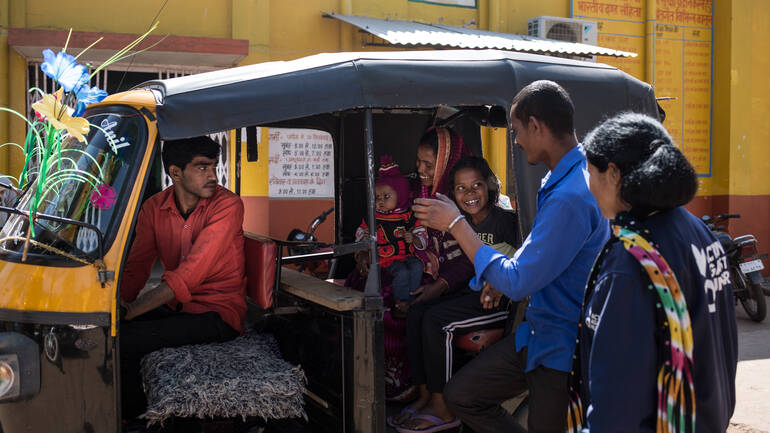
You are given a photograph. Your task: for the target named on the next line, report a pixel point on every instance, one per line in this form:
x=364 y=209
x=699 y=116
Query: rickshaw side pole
x=373 y=278
x=368 y=332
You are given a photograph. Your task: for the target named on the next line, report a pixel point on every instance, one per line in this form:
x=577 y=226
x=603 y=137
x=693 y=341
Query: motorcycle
x=745 y=264
x=304 y=243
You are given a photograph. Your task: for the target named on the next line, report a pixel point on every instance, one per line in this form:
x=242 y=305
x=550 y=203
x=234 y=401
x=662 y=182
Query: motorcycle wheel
x=752 y=299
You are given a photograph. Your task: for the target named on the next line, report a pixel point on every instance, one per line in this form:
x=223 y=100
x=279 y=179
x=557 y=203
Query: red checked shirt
x=203 y=255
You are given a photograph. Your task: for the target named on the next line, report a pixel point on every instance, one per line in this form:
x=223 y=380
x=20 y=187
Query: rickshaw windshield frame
x=124 y=153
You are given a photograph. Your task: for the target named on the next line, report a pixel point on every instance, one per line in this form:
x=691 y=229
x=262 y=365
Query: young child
x=397 y=228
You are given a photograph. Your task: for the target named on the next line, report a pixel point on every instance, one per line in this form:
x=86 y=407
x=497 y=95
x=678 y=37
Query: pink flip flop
x=438 y=424
x=390 y=419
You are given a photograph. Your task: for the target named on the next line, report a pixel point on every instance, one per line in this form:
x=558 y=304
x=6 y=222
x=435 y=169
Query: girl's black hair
x=655 y=174
x=479 y=164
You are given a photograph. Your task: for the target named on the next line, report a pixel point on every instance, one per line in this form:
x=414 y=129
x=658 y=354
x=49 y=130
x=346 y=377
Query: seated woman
x=438 y=151
x=438 y=315
x=658 y=314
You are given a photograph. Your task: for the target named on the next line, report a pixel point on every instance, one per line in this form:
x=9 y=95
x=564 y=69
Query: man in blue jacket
x=551 y=268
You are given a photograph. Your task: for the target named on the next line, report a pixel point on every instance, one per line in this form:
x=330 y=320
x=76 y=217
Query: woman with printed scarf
x=658 y=336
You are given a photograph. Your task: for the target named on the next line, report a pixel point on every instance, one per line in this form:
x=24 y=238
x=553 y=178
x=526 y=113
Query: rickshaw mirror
x=497 y=117
x=252 y=149
x=486 y=115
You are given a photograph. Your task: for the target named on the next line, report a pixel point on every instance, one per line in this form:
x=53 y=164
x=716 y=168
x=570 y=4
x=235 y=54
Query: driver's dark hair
x=181 y=152
x=547 y=102
x=479 y=164
x=655 y=175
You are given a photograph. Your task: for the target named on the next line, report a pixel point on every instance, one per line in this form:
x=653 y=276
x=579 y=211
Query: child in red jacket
x=397 y=229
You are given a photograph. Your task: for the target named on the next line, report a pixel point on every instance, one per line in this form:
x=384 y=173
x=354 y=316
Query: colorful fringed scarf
x=676 y=391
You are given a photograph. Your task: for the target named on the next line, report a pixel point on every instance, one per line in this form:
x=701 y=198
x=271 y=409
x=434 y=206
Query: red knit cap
x=390 y=175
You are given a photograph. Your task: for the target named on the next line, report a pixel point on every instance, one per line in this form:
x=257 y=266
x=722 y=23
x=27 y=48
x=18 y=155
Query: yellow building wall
x=750 y=98
x=288 y=29
x=204 y=18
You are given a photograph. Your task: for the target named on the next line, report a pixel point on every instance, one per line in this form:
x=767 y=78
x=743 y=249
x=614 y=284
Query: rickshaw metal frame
x=370 y=84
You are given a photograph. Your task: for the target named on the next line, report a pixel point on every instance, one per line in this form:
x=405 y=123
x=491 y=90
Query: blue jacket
x=552 y=265
x=619 y=346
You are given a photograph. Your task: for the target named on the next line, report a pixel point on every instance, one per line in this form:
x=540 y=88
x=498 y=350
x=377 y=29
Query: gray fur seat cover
x=245 y=377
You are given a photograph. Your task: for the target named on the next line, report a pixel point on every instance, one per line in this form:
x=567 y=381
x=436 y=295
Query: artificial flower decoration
x=60 y=116
x=52 y=166
x=86 y=96
x=103 y=197
x=64 y=69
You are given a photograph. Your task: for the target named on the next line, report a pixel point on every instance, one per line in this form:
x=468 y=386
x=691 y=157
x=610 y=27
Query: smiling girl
x=432 y=324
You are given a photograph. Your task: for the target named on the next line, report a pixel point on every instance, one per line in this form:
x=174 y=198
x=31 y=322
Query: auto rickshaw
x=59 y=351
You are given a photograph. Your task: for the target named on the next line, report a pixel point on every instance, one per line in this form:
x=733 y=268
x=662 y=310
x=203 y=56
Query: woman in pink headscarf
x=438 y=151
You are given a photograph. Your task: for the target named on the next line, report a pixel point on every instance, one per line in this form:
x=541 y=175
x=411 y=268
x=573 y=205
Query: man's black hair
x=547 y=102
x=479 y=164
x=181 y=152
x=655 y=175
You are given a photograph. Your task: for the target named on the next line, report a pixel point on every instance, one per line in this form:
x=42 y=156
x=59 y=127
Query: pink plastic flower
x=103 y=197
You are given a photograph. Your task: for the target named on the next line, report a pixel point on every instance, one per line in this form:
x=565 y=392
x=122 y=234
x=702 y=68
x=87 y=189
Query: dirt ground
x=752 y=382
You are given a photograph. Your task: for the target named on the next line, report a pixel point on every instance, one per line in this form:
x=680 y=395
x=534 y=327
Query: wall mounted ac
x=564 y=29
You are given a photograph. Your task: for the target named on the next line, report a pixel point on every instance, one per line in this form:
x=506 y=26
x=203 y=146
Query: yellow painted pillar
x=251 y=21
x=4 y=21
x=494 y=15
x=16 y=82
x=17 y=100
x=483 y=14
x=649 y=41
x=346 y=30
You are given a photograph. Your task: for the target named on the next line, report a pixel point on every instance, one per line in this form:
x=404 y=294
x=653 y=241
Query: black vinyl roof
x=276 y=91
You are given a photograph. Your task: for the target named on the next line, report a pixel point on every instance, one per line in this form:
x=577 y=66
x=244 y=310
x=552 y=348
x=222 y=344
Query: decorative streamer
x=676 y=390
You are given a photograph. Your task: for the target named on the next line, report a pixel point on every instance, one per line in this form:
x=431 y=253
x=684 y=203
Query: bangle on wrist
x=454 y=221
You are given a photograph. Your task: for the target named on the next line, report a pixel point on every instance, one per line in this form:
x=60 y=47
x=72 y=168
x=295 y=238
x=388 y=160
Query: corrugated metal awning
x=437 y=35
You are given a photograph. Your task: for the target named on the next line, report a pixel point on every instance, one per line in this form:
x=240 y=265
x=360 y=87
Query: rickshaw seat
x=477 y=341
x=261 y=258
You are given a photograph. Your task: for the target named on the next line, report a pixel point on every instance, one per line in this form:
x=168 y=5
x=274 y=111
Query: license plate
x=752 y=266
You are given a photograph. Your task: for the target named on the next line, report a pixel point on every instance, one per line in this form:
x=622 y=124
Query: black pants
x=154 y=330
x=431 y=326
x=474 y=394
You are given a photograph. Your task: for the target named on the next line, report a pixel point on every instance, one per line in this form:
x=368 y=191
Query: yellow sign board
x=680 y=31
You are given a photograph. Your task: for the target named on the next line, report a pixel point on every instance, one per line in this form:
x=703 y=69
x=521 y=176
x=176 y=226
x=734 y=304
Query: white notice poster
x=301 y=163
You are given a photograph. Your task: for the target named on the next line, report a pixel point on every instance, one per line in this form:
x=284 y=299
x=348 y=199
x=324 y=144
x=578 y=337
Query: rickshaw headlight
x=7 y=376
x=19 y=367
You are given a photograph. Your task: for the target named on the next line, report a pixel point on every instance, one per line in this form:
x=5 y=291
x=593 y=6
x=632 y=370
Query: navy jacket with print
x=619 y=336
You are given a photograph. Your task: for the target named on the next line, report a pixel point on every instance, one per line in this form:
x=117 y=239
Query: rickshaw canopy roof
x=332 y=82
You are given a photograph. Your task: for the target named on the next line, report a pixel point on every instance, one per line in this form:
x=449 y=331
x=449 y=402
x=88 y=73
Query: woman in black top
x=658 y=316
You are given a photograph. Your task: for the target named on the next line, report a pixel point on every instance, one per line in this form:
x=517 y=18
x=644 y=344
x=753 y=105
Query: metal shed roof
x=412 y=33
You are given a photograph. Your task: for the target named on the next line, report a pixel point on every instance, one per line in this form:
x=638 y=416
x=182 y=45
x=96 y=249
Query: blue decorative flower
x=63 y=68
x=90 y=95
x=86 y=96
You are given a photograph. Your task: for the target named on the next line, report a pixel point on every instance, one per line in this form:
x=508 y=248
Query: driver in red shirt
x=195 y=228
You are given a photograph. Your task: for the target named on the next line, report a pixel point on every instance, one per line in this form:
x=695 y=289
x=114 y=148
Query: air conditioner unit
x=563 y=29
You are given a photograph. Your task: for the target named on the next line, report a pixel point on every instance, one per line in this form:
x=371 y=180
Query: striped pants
x=432 y=326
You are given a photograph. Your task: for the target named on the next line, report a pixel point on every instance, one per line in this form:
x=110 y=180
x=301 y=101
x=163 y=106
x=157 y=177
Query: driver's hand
x=123 y=310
